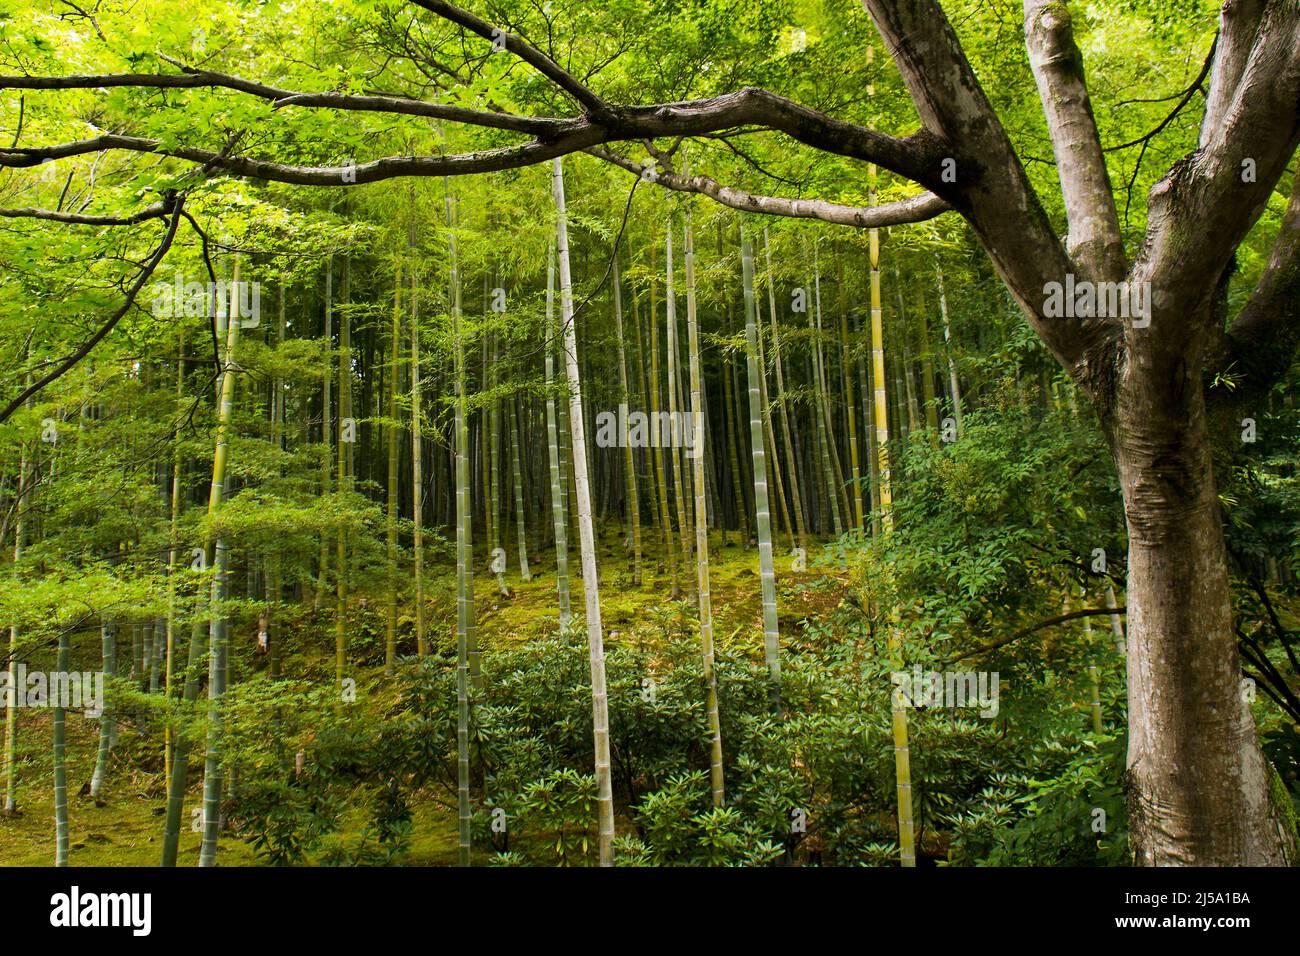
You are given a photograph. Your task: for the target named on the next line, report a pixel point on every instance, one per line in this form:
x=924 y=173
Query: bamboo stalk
x=553 y=449
x=587 y=538
x=674 y=404
x=786 y=433
x=417 y=458
x=60 y=762
x=696 y=454
x=11 y=692
x=629 y=466
x=395 y=358
x=217 y=628
x=661 y=467
x=464 y=553
x=763 y=518
x=521 y=529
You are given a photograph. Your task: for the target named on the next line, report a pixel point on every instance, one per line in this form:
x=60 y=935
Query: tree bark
x=1198 y=781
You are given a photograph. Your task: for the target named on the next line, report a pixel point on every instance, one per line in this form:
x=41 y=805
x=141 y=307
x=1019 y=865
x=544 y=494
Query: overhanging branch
x=915 y=209
x=176 y=204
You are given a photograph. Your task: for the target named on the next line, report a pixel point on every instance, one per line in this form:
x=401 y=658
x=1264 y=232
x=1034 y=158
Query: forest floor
x=125 y=828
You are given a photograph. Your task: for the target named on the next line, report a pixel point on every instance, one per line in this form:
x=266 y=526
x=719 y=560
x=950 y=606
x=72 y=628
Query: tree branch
x=176 y=204
x=1094 y=238
x=1200 y=212
x=1059 y=619
x=991 y=188
x=1238 y=24
x=158 y=210
x=191 y=78
x=916 y=209
x=908 y=157
x=534 y=57
x=1261 y=342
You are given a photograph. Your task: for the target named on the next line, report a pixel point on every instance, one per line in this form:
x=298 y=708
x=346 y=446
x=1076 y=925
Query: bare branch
x=909 y=157
x=990 y=187
x=197 y=79
x=1094 y=238
x=916 y=209
x=1261 y=343
x=1050 y=622
x=1238 y=23
x=1200 y=212
x=534 y=57
x=156 y=211
x=177 y=206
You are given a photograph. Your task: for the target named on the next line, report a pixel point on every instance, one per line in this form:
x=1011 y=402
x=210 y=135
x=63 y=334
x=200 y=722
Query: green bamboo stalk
x=629 y=465
x=1116 y=626
x=674 y=405
x=492 y=436
x=868 y=397
x=733 y=450
x=107 y=720
x=696 y=454
x=898 y=707
x=179 y=774
x=587 y=537
x=11 y=692
x=173 y=548
x=769 y=430
x=553 y=448
x=927 y=363
x=395 y=359
x=345 y=480
x=828 y=412
x=763 y=518
x=217 y=672
x=137 y=654
x=644 y=393
x=790 y=455
x=417 y=459
x=60 y=762
x=660 y=466
x=155 y=655
x=821 y=413
x=905 y=372
x=326 y=430
x=1094 y=682
x=464 y=553
x=275 y=584
x=953 y=385
x=517 y=478
x=850 y=405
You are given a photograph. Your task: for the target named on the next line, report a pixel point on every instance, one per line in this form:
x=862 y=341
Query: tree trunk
x=1198 y=782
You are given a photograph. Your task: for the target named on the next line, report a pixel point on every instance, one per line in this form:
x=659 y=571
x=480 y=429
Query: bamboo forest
x=649 y=433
